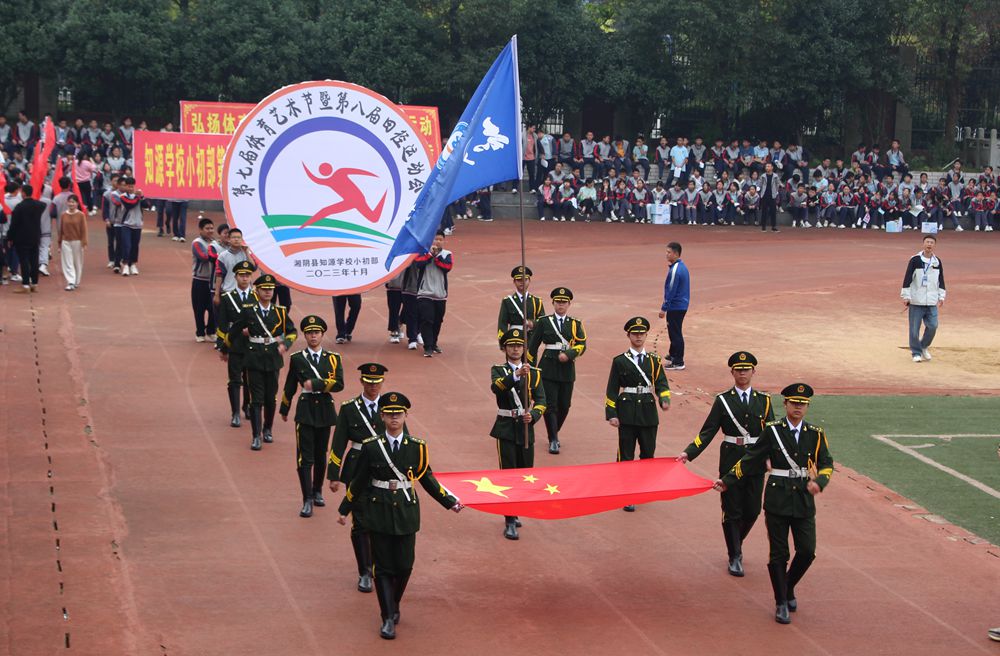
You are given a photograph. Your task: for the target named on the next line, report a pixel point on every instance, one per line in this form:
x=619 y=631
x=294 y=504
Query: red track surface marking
x=175 y=538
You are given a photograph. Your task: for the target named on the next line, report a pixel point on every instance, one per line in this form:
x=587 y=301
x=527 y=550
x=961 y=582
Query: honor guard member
x=801 y=467
x=358 y=420
x=565 y=340
x=512 y=307
x=741 y=412
x=270 y=333
x=636 y=385
x=384 y=492
x=518 y=409
x=320 y=373
x=232 y=351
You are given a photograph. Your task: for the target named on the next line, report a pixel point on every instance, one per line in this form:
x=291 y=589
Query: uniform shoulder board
x=417 y=440
x=774 y=423
x=347 y=402
x=373 y=438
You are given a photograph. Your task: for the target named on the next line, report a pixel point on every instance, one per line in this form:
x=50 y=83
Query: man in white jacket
x=923 y=293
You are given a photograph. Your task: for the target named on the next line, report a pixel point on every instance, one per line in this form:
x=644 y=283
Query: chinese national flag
x=563 y=492
x=40 y=167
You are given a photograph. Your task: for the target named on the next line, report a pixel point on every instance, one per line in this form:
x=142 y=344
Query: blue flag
x=483 y=149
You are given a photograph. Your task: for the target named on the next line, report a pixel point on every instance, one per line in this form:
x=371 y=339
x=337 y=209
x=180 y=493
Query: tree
x=34 y=30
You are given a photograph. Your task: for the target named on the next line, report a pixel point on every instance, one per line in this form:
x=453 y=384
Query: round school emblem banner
x=320 y=177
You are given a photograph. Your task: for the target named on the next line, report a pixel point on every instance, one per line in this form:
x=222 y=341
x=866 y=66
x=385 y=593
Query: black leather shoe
x=395 y=617
x=629 y=508
x=781 y=614
x=554 y=447
x=388 y=630
x=736 y=566
x=510 y=531
x=267 y=435
x=318 y=499
x=365 y=582
x=255 y=443
x=307 y=509
x=517 y=522
x=235 y=421
x=793 y=605
x=246 y=412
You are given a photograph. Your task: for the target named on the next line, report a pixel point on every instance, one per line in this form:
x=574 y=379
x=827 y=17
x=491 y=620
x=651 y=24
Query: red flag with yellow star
x=562 y=492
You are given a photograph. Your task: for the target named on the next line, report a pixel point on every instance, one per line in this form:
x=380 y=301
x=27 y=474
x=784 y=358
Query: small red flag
x=58 y=173
x=3 y=194
x=563 y=492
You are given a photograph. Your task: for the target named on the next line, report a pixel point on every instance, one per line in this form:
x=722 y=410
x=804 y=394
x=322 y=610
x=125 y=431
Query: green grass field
x=851 y=421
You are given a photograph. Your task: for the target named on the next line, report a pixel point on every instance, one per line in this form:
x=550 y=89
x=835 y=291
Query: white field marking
x=910 y=451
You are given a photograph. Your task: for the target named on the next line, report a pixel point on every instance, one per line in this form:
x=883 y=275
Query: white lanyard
x=558 y=333
x=392 y=466
x=791 y=463
x=517 y=307
x=364 y=418
x=739 y=426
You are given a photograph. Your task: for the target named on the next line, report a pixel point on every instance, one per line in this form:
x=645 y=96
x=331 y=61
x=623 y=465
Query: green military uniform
x=267 y=328
x=358 y=420
x=787 y=502
x=515 y=439
x=559 y=335
x=741 y=415
x=637 y=385
x=315 y=412
x=512 y=307
x=384 y=492
x=229 y=309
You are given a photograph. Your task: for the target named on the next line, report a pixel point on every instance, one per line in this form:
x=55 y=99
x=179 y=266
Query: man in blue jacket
x=676 y=296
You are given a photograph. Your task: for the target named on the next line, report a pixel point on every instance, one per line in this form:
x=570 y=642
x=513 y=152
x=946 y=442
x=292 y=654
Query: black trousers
x=675 y=324
x=393 y=555
x=515 y=456
x=803 y=535
x=411 y=317
x=741 y=502
x=204 y=310
x=28 y=256
x=112 y=235
x=345 y=326
x=431 y=313
x=628 y=436
x=769 y=213
x=394 y=301
x=263 y=387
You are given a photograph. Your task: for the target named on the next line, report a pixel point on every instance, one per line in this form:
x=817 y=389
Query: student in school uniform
x=696 y=161
x=778 y=157
x=547 y=200
x=639 y=199
x=565 y=202
x=731 y=158
x=675 y=199
x=847 y=203
x=906 y=209
x=621 y=155
x=705 y=211
x=590 y=157
x=604 y=157
x=716 y=155
x=797 y=206
x=720 y=200
x=876 y=162
x=690 y=201
x=606 y=201
x=860 y=157
x=895 y=160
x=828 y=206
x=622 y=204
x=981 y=212
x=734 y=204
x=751 y=206
x=640 y=157
x=662 y=159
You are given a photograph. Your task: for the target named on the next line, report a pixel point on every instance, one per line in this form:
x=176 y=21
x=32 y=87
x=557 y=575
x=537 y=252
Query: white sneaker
x=541 y=218
x=92 y=212
x=989 y=228
x=44 y=270
x=14 y=277
x=959 y=228
x=926 y=354
x=842 y=227
x=940 y=227
x=135 y=270
x=917 y=358
x=807 y=225
x=394 y=339
x=200 y=339
x=181 y=239
x=420 y=340
x=125 y=270
x=68 y=288
x=175 y=239
x=111 y=265
x=447 y=232
x=976 y=229
x=412 y=346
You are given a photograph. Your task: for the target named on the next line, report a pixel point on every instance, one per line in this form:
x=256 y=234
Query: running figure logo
x=351 y=198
